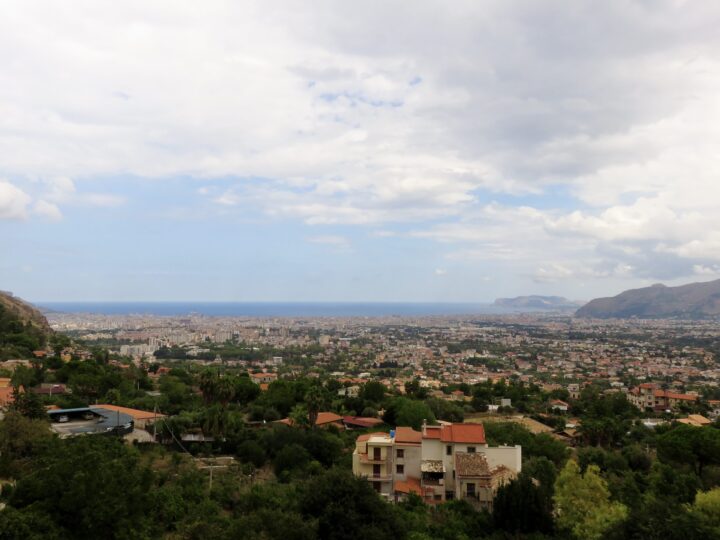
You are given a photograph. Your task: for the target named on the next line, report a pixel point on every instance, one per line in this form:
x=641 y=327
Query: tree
x=92 y=487
x=21 y=438
x=299 y=416
x=28 y=404
x=520 y=507
x=373 y=391
x=290 y=458
x=347 y=508
x=690 y=445
x=208 y=382
x=582 y=503
x=314 y=401
x=707 y=508
x=407 y=412
x=246 y=391
x=251 y=452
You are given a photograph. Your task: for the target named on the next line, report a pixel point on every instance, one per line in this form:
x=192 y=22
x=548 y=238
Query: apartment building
x=649 y=396
x=438 y=463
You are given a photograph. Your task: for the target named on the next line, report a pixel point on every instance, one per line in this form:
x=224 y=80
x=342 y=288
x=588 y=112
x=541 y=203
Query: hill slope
x=692 y=301
x=23 y=328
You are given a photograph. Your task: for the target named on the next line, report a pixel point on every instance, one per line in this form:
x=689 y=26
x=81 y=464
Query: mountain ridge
x=700 y=300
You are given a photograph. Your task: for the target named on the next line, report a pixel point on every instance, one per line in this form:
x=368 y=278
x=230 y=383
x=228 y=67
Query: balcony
x=378 y=477
x=433 y=482
x=370 y=459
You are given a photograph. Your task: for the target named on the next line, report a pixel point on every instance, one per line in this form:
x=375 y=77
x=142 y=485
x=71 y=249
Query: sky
x=357 y=151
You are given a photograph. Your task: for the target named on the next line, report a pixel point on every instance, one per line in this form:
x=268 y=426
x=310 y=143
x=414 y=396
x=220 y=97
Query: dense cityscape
x=438 y=427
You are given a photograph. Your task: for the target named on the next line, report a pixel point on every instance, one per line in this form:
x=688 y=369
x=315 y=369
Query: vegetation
x=621 y=481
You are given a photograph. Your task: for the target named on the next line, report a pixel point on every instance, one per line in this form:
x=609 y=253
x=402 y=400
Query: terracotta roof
x=431 y=432
x=135 y=413
x=322 y=419
x=327 y=418
x=407 y=435
x=463 y=433
x=468 y=464
x=672 y=395
x=411 y=485
x=366 y=436
x=362 y=421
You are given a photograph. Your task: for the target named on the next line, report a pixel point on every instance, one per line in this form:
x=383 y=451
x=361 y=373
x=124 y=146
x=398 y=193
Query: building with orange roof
x=696 y=420
x=649 y=396
x=141 y=418
x=324 y=419
x=438 y=463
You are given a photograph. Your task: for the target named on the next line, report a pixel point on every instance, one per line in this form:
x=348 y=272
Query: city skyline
x=378 y=152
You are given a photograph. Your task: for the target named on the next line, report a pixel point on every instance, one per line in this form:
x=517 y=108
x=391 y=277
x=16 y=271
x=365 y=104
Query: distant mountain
x=692 y=301
x=23 y=328
x=537 y=303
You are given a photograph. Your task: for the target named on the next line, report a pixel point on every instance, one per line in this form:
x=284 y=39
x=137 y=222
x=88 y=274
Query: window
x=448 y=450
x=471 y=449
x=376 y=470
x=400 y=453
x=376 y=454
x=471 y=490
x=400 y=469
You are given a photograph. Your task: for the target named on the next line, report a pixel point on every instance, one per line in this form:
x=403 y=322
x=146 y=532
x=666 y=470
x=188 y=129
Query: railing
x=434 y=482
x=378 y=477
x=367 y=458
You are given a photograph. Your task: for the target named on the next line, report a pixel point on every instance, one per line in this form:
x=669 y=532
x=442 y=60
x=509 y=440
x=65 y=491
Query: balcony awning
x=432 y=466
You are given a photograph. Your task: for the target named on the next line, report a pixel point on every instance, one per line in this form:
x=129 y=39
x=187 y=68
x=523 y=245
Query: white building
x=438 y=463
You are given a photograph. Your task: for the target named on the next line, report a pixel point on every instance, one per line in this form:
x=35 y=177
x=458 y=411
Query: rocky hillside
x=23 y=328
x=692 y=301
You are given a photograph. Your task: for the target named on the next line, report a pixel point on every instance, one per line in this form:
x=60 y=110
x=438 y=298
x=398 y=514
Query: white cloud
x=340 y=244
x=440 y=272
x=604 y=119
x=48 y=210
x=13 y=201
x=62 y=190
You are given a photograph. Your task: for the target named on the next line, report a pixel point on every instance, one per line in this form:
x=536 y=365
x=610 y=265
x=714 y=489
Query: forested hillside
x=23 y=328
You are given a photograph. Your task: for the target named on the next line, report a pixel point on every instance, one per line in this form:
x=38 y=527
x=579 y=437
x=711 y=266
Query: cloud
x=413 y=114
x=440 y=272
x=62 y=190
x=48 y=210
x=13 y=201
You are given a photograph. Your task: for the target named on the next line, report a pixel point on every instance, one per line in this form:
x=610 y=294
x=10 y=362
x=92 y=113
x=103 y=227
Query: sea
x=275 y=309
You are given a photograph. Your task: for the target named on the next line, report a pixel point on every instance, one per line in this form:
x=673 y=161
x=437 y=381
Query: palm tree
x=208 y=383
x=314 y=400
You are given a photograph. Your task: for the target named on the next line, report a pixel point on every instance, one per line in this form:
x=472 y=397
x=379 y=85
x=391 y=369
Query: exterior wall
x=432 y=449
x=411 y=461
x=509 y=456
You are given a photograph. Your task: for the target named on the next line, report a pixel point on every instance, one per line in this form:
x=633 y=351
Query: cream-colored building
x=438 y=463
